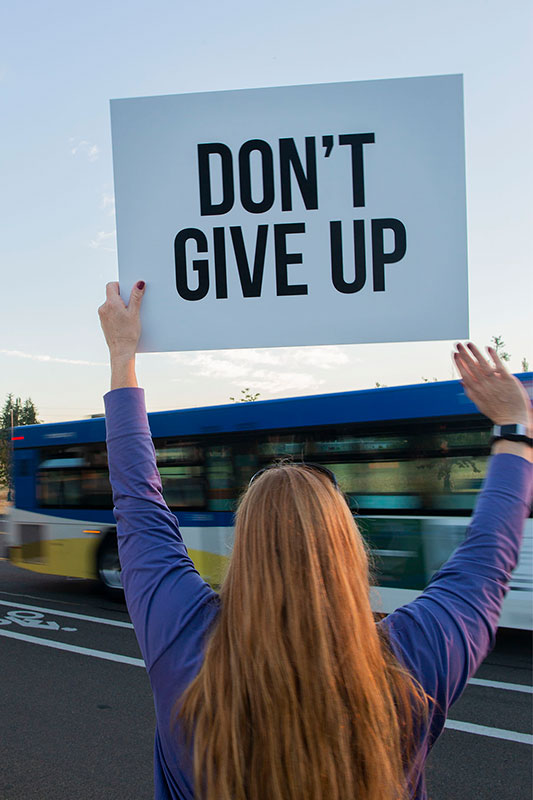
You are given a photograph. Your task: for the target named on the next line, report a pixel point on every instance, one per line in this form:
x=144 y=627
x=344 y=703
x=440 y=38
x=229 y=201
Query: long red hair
x=299 y=697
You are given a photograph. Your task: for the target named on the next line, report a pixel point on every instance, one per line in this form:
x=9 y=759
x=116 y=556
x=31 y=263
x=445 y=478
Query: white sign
x=321 y=214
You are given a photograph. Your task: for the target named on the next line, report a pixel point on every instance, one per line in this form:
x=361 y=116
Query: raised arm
x=166 y=597
x=444 y=635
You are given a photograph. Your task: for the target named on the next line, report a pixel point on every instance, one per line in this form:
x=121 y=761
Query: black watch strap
x=512 y=433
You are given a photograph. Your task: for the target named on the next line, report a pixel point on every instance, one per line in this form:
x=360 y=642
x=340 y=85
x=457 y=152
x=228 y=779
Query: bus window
x=74 y=477
x=181 y=468
x=276 y=446
x=454 y=482
x=380 y=485
x=95 y=456
x=96 y=489
x=172 y=452
x=219 y=469
x=59 y=488
x=245 y=464
x=375 y=444
x=429 y=485
x=445 y=439
x=183 y=486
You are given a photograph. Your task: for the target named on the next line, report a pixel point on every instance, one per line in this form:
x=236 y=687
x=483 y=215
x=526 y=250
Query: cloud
x=209 y=365
x=273 y=382
x=52 y=359
x=264 y=371
x=107 y=203
x=323 y=357
x=270 y=371
x=92 y=151
x=104 y=241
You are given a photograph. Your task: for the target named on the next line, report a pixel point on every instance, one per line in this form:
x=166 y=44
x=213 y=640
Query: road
x=78 y=720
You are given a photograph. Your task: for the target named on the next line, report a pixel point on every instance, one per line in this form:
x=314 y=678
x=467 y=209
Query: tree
x=247 y=397
x=499 y=344
x=14 y=412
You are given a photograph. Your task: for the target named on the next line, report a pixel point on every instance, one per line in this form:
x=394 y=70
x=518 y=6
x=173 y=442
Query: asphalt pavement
x=77 y=717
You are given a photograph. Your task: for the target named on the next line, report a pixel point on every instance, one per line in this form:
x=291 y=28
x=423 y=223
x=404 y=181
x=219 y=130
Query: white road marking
x=29 y=619
x=511 y=687
x=484 y=730
x=115 y=622
x=456 y=725
x=72 y=648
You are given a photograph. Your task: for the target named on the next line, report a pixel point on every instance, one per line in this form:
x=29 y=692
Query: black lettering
x=307 y=181
x=221 y=277
x=337 y=260
x=251 y=284
x=245 y=176
x=207 y=206
x=356 y=142
x=201 y=265
x=379 y=257
x=283 y=259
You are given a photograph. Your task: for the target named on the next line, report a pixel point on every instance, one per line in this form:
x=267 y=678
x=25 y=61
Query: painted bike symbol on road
x=31 y=619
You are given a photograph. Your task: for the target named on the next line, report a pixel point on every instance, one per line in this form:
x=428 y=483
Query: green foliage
x=24 y=413
x=498 y=344
x=14 y=412
x=247 y=396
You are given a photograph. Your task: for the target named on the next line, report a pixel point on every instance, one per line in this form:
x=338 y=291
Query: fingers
x=112 y=290
x=465 y=363
x=500 y=366
x=113 y=299
x=466 y=376
x=474 y=367
x=483 y=365
x=136 y=296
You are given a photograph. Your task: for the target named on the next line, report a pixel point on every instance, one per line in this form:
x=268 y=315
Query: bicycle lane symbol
x=31 y=619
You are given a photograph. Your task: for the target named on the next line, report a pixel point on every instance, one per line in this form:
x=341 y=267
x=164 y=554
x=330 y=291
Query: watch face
x=516 y=430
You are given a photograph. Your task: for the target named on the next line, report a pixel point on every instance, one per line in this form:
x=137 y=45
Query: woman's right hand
x=496 y=393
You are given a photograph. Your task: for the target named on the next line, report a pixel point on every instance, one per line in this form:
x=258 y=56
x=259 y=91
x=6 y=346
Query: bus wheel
x=108 y=567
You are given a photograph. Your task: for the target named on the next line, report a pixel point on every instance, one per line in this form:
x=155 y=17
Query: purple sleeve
x=167 y=599
x=444 y=635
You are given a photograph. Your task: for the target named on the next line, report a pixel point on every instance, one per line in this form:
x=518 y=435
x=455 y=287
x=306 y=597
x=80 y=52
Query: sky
x=61 y=63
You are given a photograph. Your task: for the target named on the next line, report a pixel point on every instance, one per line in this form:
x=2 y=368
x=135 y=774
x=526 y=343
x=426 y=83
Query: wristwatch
x=512 y=433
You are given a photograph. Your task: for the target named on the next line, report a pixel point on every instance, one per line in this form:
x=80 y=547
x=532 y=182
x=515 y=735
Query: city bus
x=409 y=459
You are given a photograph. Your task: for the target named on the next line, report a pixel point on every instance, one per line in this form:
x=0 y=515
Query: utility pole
x=10 y=465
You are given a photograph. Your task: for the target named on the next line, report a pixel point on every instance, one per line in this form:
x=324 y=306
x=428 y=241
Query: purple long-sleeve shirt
x=441 y=637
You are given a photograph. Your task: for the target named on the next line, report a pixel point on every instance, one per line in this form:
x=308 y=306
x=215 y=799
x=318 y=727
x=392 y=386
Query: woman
x=291 y=690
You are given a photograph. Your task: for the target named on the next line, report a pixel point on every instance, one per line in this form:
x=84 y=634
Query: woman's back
x=441 y=637
x=290 y=690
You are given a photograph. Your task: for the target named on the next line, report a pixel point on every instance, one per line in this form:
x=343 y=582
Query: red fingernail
x=140 y=285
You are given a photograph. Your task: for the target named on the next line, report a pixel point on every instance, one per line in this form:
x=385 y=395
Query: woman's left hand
x=121 y=324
